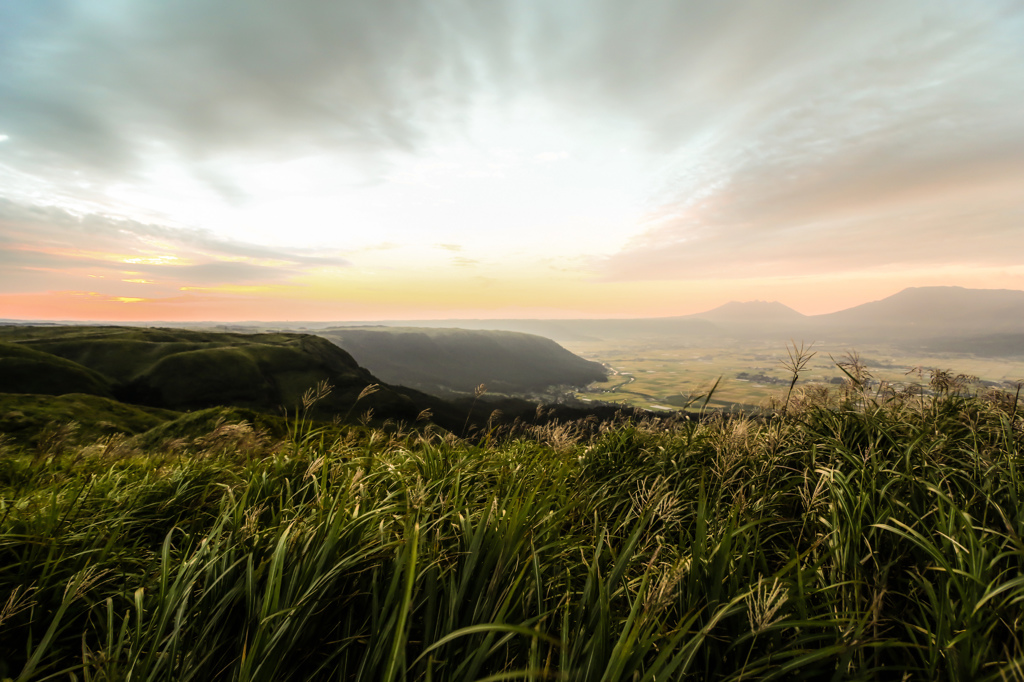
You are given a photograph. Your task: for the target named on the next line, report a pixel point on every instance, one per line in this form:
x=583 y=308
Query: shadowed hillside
x=441 y=360
x=26 y=370
x=38 y=418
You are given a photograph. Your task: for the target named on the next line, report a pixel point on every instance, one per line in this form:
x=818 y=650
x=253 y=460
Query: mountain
x=751 y=312
x=443 y=360
x=915 y=315
x=927 y=312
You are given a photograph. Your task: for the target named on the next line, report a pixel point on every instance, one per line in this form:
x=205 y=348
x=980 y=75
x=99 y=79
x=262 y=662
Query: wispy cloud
x=50 y=239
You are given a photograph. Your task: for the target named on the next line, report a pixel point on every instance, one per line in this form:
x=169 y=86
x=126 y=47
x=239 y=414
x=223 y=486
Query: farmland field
x=651 y=375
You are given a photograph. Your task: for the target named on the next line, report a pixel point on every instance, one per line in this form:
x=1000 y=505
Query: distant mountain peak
x=938 y=310
x=751 y=311
x=954 y=290
x=944 y=295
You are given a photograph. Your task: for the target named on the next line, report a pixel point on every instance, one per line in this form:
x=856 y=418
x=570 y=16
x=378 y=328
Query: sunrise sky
x=218 y=160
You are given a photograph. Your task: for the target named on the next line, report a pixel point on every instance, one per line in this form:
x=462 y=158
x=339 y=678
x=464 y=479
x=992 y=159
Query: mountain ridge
x=918 y=315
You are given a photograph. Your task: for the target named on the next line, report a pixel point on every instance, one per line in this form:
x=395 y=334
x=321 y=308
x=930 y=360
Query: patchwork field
x=653 y=376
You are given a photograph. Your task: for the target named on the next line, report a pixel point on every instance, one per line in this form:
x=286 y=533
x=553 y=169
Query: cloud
x=911 y=198
x=105 y=84
x=547 y=157
x=842 y=142
x=51 y=226
x=776 y=135
x=48 y=238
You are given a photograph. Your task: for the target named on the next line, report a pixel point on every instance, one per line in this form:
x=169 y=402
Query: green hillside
x=26 y=370
x=181 y=370
x=25 y=417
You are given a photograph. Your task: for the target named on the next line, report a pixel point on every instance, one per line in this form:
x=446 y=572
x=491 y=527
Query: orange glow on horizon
x=359 y=297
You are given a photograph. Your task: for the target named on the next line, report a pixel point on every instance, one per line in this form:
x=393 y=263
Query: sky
x=401 y=159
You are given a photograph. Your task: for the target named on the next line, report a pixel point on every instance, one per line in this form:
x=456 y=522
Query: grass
x=856 y=534
x=24 y=418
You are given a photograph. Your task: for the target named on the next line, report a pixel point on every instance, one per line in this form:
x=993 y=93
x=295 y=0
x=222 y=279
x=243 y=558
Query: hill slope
x=185 y=370
x=928 y=312
x=440 y=360
x=27 y=370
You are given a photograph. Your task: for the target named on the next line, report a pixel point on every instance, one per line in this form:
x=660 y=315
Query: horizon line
x=93 y=321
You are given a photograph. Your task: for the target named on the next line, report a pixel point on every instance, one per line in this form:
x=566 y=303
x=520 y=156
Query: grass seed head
x=17 y=601
x=764 y=604
x=369 y=390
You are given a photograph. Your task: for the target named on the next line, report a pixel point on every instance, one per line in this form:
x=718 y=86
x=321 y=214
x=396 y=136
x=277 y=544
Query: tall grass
x=853 y=536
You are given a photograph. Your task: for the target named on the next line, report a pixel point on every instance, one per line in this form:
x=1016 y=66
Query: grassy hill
x=445 y=360
x=180 y=370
